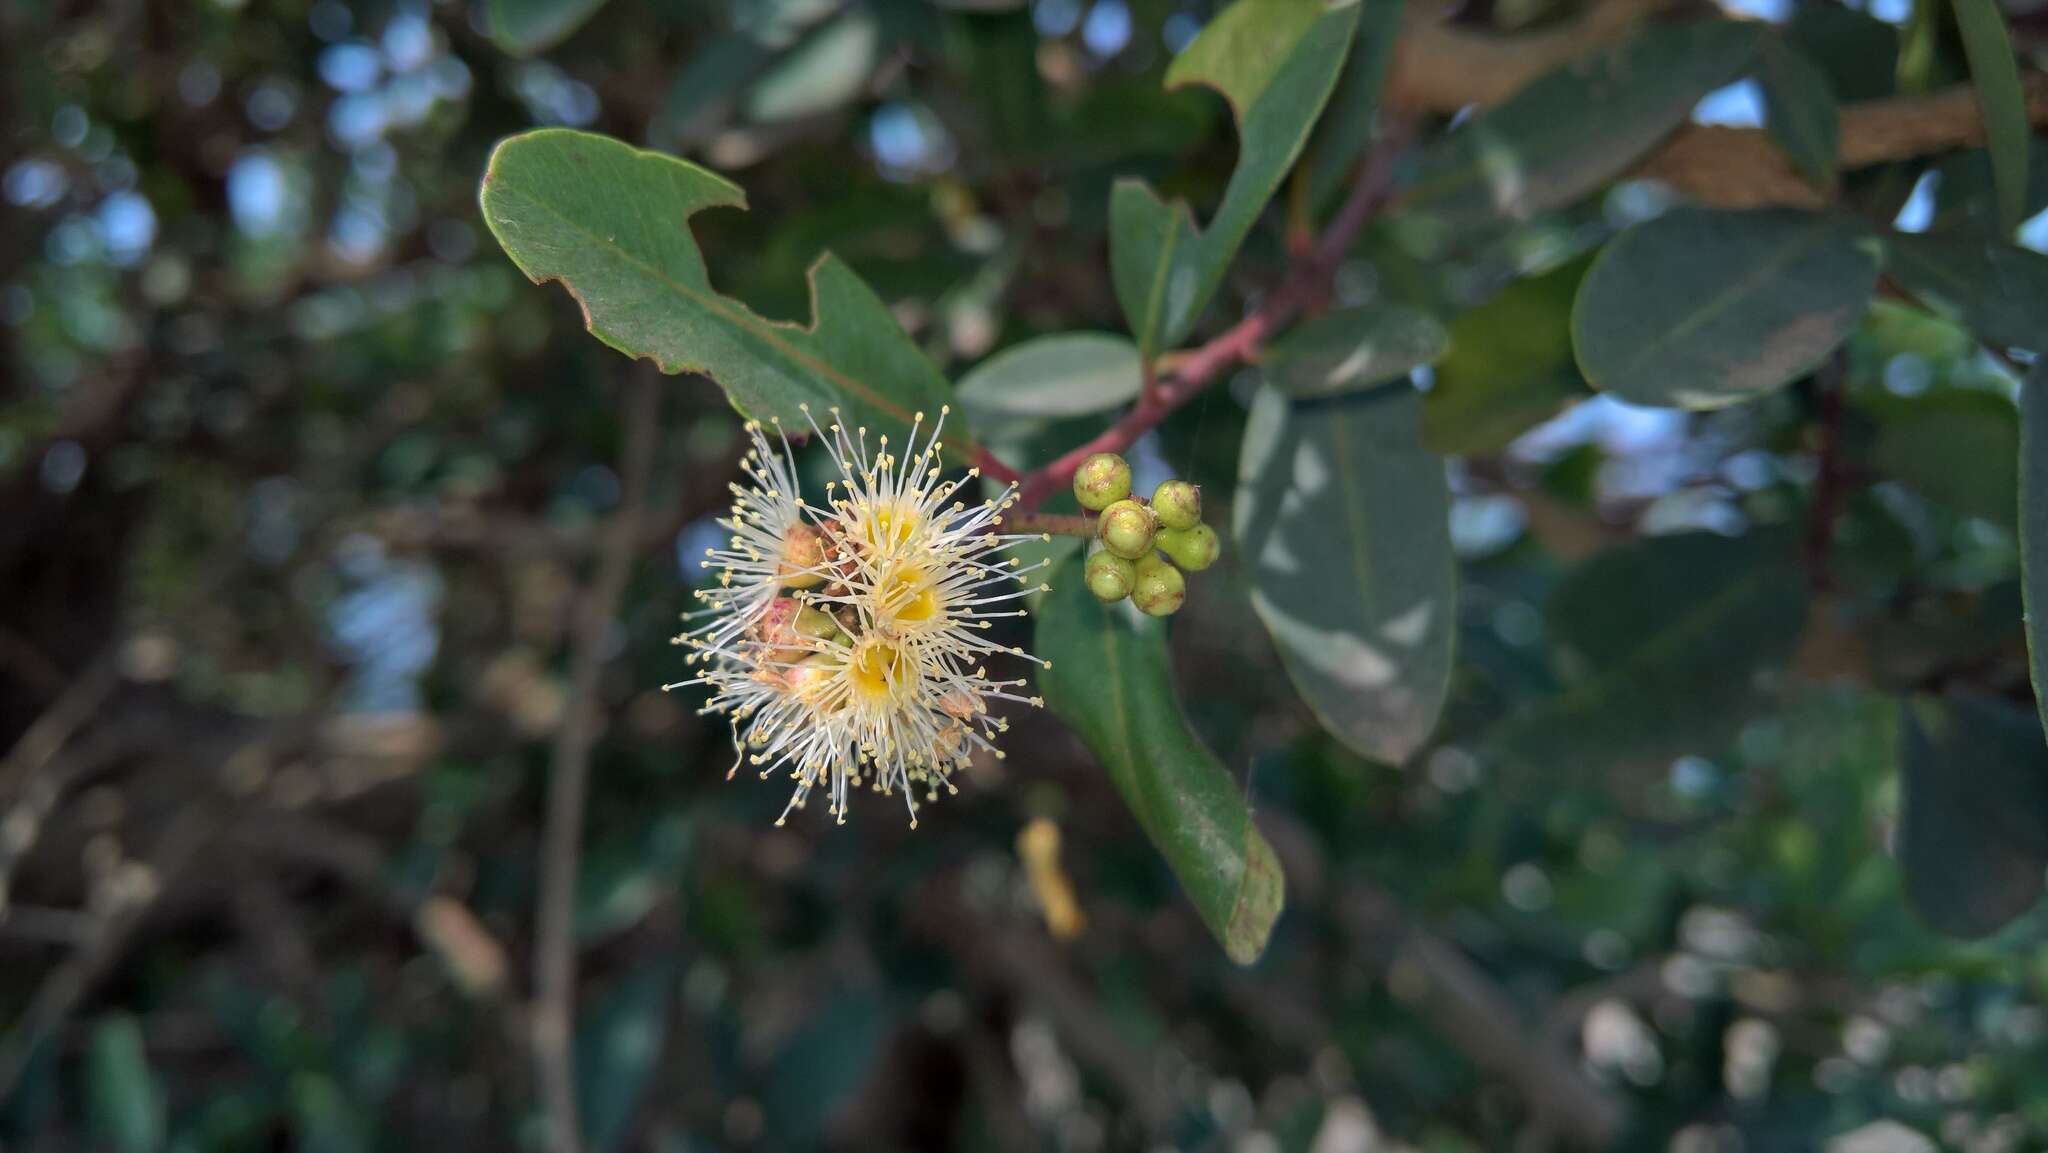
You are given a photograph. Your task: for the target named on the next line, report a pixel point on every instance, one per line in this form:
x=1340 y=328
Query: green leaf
x=1344 y=523
x=2033 y=488
x=1661 y=643
x=1072 y=374
x=1965 y=191
x=1110 y=681
x=1997 y=77
x=524 y=27
x=1508 y=368
x=1973 y=820
x=1957 y=447
x=1346 y=126
x=1701 y=309
x=1994 y=289
x=1275 y=62
x=618 y=1045
x=1352 y=349
x=828 y=68
x=1857 y=52
x=324 y=1120
x=705 y=91
x=126 y=1104
x=1575 y=129
x=611 y=223
x=1799 y=110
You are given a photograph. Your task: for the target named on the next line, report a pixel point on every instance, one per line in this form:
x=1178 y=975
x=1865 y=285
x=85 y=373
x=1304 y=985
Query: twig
x=1082 y=526
x=554 y=950
x=1442 y=68
x=993 y=468
x=48 y=735
x=1307 y=282
x=1469 y=1010
x=1728 y=167
x=1827 y=480
x=60 y=992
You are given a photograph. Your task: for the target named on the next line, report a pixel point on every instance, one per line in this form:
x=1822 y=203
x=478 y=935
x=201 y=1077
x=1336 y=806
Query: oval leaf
x=1352 y=349
x=1799 y=110
x=611 y=222
x=1109 y=679
x=523 y=27
x=1275 y=62
x=1973 y=813
x=1072 y=374
x=1700 y=309
x=828 y=68
x=1995 y=290
x=1343 y=521
x=1662 y=642
x=1575 y=129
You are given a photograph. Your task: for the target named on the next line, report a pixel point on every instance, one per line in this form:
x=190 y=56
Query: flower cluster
x=846 y=642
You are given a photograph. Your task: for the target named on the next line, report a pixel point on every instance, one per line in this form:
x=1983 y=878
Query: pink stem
x=1307 y=280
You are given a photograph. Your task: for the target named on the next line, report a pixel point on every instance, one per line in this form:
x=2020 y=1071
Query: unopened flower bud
x=816 y=624
x=812 y=675
x=1101 y=481
x=1177 y=504
x=1110 y=576
x=1160 y=588
x=1193 y=549
x=777 y=628
x=1126 y=529
x=802 y=562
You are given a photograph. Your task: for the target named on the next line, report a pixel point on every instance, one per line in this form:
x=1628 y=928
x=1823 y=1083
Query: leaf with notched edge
x=1109 y=680
x=611 y=222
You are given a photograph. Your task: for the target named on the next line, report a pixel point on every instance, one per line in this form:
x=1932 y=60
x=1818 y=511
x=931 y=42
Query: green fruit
x=1160 y=588
x=1101 y=481
x=1126 y=529
x=1110 y=576
x=1193 y=549
x=1177 y=504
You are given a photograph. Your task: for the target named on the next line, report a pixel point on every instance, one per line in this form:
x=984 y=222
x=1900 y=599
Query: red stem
x=1307 y=283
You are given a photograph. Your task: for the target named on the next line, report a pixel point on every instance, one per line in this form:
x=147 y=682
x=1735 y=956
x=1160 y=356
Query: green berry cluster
x=1144 y=548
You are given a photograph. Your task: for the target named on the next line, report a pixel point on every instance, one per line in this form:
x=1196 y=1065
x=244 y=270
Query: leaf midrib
x=1727 y=299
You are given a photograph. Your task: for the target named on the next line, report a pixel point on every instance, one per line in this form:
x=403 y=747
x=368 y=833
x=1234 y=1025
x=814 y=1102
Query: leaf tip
x=1261 y=895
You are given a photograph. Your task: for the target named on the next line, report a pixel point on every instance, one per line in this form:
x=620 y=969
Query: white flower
x=772 y=549
x=857 y=656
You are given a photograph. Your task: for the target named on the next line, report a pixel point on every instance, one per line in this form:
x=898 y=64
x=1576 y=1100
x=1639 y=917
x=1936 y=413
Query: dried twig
x=568 y=783
x=47 y=736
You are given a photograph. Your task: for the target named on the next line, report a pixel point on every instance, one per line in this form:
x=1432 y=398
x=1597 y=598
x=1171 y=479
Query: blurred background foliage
x=305 y=491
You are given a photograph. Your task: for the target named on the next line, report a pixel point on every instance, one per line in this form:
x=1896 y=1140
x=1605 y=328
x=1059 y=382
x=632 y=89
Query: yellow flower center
x=875 y=669
x=887 y=525
x=908 y=597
